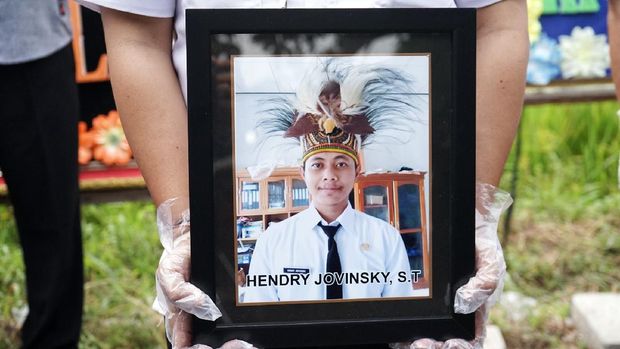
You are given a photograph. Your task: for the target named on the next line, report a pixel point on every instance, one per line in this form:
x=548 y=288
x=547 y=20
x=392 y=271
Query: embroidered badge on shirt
x=296 y=270
x=365 y=246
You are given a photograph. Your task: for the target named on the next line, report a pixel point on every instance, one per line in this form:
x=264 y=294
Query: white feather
x=352 y=88
x=309 y=90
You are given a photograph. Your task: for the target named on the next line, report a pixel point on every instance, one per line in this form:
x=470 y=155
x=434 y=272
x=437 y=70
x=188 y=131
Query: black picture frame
x=449 y=36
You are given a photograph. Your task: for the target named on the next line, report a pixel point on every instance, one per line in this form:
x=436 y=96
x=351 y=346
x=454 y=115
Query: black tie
x=334 y=291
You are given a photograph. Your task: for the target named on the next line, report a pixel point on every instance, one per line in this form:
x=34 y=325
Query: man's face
x=329 y=177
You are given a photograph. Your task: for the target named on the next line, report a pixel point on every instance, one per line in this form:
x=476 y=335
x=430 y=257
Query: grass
x=12 y=280
x=549 y=262
x=568 y=168
x=121 y=251
x=564 y=239
x=565 y=232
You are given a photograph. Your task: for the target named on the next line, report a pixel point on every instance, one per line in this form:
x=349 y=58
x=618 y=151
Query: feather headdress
x=342 y=107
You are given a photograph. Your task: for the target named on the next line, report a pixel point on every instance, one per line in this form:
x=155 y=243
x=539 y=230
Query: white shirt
x=370 y=250
x=176 y=9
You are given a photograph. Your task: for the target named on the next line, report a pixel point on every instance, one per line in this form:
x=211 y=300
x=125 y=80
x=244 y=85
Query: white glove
x=485 y=288
x=176 y=297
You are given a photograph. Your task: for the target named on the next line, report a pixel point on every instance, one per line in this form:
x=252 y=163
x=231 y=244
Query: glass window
x=376 y=202
x=300 y=193
x=250 y=196
x=409 y=206
x=275 y=194
x=413 y=245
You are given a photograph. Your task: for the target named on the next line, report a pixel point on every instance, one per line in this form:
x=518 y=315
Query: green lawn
x=565 y=235
x=564 y=239
x=121 y=251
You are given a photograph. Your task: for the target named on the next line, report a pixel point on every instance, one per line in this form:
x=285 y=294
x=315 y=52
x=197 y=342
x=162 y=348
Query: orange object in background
x=82 y=75
x=110 y=143
x=85 y=144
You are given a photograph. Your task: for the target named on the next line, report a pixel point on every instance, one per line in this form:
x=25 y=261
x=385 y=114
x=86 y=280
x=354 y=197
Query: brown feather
x=358 y=124
x=303 y=125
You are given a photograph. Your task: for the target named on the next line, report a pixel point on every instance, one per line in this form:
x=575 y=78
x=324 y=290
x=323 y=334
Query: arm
x=149 y=99
x=154 y=115
x=501 y=61
x=502 y=54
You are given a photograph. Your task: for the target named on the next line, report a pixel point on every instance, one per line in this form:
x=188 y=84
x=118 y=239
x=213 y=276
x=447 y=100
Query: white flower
x=584 y=54
x=534 y=10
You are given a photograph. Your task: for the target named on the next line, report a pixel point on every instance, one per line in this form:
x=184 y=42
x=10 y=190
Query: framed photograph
x=332 y=160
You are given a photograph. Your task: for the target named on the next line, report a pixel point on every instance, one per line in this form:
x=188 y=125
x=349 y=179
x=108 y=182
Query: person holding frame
x=149 y=82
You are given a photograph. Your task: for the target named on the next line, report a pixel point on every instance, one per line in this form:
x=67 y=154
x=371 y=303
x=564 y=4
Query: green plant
x=121 y=251
x=569 y=158
x=566 y=222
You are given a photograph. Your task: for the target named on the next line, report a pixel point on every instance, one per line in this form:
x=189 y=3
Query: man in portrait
x=330 y=250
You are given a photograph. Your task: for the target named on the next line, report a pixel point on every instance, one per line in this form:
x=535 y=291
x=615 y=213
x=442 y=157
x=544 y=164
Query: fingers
x=234 y=344
x=181 y=326
x=489 y=255
x=177 y=298
x=172 y=274
x=237 y=344
x=181 y=330
x=481 y=326
x=174 y=269
x=484 y=288
x=491 y=268
x=456 y=344
x=489 y=262
x=426 y=343
x=199 y=304
x=481 y=319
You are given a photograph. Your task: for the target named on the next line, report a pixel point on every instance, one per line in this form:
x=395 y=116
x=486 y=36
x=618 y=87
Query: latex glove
x=485 y=288
x=176 y=297
x=179 y=329
x=180 y=324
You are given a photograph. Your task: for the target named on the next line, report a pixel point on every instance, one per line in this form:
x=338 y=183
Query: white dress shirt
x=176 y=9
x=294 y=252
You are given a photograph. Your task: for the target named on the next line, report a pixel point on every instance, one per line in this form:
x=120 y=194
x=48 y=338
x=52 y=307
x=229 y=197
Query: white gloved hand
x=485 y=288
x=181 y=329
x=176 y=297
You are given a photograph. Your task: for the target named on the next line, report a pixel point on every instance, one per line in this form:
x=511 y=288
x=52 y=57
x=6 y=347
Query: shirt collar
x=312 y=217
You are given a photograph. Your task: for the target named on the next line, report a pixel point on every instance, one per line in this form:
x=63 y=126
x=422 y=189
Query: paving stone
x=597 y=319
x=494 y=339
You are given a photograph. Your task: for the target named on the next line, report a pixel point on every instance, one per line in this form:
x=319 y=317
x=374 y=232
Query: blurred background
x=560 y=237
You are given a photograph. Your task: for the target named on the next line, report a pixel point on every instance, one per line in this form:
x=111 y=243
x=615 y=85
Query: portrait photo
x=332 y=174
x=331 y=164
